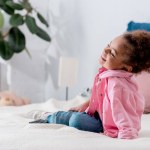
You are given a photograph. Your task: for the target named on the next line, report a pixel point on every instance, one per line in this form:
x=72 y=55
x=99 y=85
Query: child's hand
x=80 y=108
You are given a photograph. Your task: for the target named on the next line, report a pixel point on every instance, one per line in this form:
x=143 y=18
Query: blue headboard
x=138 y=26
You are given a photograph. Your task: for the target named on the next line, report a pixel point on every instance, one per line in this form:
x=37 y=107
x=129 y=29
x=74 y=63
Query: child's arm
x=81 y=108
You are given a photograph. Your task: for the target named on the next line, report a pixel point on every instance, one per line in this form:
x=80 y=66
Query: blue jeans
x=79 y=120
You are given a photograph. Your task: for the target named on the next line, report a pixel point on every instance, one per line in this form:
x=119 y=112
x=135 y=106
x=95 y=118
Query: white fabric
x=17 y=134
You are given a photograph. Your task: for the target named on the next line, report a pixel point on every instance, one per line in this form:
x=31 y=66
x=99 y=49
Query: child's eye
x=111 y=52
x=112 y=55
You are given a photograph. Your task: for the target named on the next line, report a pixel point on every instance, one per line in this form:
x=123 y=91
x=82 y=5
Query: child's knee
x=75 y=121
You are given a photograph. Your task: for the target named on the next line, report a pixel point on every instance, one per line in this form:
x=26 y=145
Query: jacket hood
x=104 y=73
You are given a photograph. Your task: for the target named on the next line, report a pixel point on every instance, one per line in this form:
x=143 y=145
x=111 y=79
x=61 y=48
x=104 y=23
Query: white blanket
x=17 y=134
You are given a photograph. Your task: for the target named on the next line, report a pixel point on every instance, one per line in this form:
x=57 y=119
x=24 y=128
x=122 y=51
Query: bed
x=17 y=134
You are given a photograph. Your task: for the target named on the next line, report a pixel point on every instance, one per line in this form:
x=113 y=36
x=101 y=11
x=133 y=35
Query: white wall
x=87 y=26
x=79 y=28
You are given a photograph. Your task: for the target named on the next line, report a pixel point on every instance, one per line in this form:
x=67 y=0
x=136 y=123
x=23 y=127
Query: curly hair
x=138 y=50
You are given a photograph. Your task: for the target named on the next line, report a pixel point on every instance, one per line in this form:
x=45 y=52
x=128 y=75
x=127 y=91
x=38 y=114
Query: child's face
x=113 y=55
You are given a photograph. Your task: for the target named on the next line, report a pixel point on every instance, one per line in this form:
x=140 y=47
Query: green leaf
x=16 y=40
x=8 y=10
x=13 y=5
x=42 y=19
x=26 y=5
x=16 y=20
x=31 y=24
x=5 y=7
x=2 y=3
x=42 y=34
x=1 y=36
x=5 y=51
x=1 y=19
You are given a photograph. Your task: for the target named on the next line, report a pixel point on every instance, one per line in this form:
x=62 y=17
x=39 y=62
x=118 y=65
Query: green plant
x=13 y=40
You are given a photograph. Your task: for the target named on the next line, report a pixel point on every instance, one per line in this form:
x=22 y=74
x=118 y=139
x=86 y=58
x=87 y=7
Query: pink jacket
x=116 y=98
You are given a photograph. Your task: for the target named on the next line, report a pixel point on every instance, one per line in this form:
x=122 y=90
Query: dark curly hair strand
x=138 y=50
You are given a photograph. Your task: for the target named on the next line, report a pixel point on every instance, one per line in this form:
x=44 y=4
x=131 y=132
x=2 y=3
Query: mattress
x=17 y=134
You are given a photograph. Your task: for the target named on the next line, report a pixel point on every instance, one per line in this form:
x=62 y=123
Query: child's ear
x=128 y=68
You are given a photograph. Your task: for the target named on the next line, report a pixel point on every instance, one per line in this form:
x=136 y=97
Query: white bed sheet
x=17 y=134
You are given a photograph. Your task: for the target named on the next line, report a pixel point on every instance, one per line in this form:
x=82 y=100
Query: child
x=115 y=106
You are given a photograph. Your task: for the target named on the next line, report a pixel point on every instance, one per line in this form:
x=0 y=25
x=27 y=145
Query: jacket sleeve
x=124 y=111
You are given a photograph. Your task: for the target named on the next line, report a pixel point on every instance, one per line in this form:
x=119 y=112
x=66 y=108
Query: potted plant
x=20 y=13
